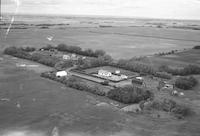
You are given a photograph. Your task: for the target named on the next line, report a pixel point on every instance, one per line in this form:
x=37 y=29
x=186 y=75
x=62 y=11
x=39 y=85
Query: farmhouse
x=104 y=73
x=66 y=57
x=61 y=73
x=123 y=77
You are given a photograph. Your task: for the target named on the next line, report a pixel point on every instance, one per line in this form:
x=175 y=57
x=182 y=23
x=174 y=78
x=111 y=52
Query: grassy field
x=120 y=42
x=33 y=106
x=177 y=60
x=45 y=104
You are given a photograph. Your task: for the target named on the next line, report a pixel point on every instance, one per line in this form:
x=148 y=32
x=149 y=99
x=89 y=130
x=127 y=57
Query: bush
x=186 y=83
x=73 y=83
x=21 y=53
x=28 y=49
x=78 y=50
x=168 y=105
x=48 y=47
x=64 y=64
x=134 y=66
x=129 y=94
x=164 y=75
x=105 y=82
x=17 y=52
x=196 y=47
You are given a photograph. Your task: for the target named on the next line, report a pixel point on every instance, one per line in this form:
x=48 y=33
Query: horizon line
x=96 y=16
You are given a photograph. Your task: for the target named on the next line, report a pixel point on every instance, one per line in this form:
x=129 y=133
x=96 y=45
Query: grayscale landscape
x=90 y=75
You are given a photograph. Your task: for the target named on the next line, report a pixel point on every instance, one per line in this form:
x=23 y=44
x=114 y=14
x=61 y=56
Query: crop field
x=112 y=70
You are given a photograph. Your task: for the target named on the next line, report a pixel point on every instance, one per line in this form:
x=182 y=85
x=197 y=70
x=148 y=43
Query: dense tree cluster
x=168 y=105
x=62 y=65
x=196 y=47
x=164 y=75
x=28 y=49
x=38 y=57
x=166 y=53
x=78 y=50
x=48 y=47
x=17 y=52
x=45 y=59
x=187 y=70
x=186 y=82
x=97 y=62
x=134 y=66
x=129 y=94
x=74 y=83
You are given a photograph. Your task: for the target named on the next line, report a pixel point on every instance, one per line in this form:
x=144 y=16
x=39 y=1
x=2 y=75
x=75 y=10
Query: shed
x=61 y=73
x=168 y=86
x=117 y=72
x=137 y=81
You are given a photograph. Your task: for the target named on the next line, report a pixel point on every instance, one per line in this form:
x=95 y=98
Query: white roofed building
x=104 y=73
x=61 y=73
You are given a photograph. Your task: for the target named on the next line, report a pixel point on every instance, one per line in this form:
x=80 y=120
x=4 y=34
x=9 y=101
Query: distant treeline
x=166 y=53
x=187 y=70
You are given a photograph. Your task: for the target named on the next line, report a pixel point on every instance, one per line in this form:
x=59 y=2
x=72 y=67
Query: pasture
x=45 y=104
x=119 y=42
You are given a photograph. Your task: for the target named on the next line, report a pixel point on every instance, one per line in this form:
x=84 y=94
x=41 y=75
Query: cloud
x=182 y=9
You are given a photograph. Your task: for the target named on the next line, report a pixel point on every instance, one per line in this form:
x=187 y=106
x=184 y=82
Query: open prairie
x=33 y=106
x=121 y=38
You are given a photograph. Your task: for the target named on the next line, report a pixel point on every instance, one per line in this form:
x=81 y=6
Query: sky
x=174 y=9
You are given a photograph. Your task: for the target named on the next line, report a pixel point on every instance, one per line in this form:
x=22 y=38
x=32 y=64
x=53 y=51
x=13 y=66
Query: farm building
x=66 y=57
x=165 y=85
x=123 y=77
x=168 y=86
x=104 y=73
x=73 y=55
x=61 y=73
x=137 y=80
x=117 y=72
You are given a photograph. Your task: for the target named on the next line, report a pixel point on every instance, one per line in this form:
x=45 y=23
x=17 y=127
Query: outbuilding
x=117 y=72
x=61 y=74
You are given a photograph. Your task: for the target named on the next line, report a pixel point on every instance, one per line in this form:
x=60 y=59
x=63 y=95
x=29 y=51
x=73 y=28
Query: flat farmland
x=46 y=104
x=119 y=42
